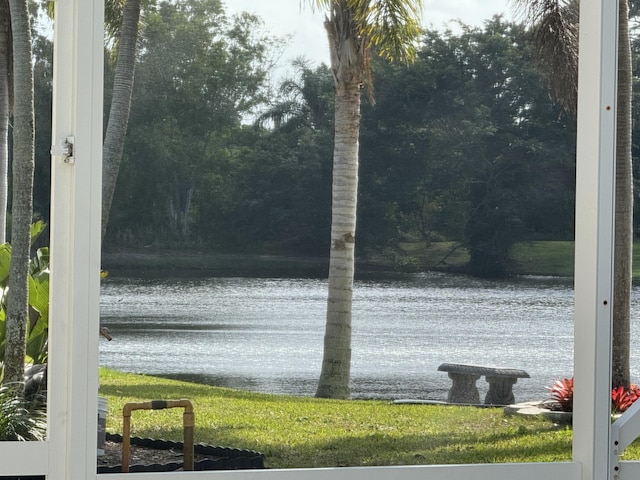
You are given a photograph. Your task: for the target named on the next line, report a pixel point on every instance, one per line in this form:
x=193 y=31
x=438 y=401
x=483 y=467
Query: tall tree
x=5 y=88
x=555 y=29
x=198 y=73
x=22 y=200
x=303 y=99
x=353 y=28
x=113 y=145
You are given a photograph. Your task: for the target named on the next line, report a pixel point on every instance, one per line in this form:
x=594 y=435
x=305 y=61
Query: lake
x=266 y=334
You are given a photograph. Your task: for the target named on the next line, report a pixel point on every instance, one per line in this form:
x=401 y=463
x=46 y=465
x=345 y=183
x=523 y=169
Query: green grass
x=554 y=258
x=297 y=432
x=544 y=258
x=528 y=258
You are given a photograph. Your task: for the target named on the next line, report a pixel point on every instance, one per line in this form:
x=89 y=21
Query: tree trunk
x=22 y=201
x=120 y=106
x=185 y=212
x=336 y=362
x=623 y=250
x=5 y=45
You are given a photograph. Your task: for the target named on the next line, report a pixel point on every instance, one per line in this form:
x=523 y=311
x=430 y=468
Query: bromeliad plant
x=621 y=397
x=562 y=394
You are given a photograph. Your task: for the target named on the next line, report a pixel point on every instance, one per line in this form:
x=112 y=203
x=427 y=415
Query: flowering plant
x=621 y=398
x=562 y=393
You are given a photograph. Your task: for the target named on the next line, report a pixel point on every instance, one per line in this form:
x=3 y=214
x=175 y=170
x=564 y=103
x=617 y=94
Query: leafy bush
x=21 y=418
x=37 y=330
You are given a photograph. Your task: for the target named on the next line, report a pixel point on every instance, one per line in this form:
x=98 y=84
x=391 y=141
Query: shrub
x=21 y=418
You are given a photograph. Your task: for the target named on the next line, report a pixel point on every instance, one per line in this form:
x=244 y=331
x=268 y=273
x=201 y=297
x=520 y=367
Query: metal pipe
x=188 y=424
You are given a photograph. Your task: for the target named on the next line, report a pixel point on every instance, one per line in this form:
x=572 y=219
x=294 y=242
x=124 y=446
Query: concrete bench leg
x=464 y=388
x=500 y=391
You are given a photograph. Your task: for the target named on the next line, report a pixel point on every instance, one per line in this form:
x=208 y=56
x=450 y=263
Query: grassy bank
x=191 y=263
x=528 y=258
x=554 y=258
x=307 y=432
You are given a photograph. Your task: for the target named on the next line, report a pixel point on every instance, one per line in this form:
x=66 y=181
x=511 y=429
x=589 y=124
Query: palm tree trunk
x=120 y=106
x=620 y=375
x=336 y=363
x=5 y=45
x=22 y=201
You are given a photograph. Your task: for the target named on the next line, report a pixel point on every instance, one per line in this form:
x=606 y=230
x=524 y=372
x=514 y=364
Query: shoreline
x=200 y=263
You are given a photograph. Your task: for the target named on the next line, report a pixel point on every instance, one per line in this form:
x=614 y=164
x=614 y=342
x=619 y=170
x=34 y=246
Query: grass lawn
x=307 y=432
x=528 y=258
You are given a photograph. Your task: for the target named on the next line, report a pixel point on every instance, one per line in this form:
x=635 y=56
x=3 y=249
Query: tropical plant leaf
x=38 y=280
x=5 y=264
x=36 y=229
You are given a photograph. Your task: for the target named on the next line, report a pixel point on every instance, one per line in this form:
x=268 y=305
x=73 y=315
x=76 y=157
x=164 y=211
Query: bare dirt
x=141 y=455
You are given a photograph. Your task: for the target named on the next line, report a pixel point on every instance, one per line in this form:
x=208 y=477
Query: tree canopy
x=464 y=145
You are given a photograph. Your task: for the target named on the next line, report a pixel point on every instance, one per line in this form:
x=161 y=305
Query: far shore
x=195 y=263
x=542 y=257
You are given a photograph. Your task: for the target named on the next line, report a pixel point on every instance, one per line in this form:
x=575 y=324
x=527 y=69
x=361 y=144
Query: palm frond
x=392 y=26
x=554 y=28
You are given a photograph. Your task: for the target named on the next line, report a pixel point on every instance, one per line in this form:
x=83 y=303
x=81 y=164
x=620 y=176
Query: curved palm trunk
x=623 y=249
x=22 y=203
x=120 y=106
x=5 y=45
x=336 y=363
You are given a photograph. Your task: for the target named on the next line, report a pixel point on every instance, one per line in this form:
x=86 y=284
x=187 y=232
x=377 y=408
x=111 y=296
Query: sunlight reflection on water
x=267 y=334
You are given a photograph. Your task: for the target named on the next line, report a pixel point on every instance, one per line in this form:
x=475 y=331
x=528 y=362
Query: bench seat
x=465 y=391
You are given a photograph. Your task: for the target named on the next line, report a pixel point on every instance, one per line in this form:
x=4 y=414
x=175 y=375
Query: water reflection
x=266 y=334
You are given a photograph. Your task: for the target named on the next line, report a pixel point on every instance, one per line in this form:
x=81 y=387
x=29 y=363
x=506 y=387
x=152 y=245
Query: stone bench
x=464 y=390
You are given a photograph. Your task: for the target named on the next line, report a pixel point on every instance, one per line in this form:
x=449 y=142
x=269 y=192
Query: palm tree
x=5 y=90
x=555 y=31
x=22 y=200
x=120 y=101
x=353 y=28
x=304 y=99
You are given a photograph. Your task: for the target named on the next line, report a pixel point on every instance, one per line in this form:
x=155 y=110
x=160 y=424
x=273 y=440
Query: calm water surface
x=267 y=334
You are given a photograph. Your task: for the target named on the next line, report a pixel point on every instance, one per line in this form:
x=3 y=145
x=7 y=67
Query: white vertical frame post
x=595 y=177
x=75 y=239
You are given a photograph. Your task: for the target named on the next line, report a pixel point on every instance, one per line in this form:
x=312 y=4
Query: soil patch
x=149 y=455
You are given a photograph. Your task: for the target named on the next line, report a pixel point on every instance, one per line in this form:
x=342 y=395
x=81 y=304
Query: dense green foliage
x=37 y=335
x=464 y=146
x=472 y=147
x=21 y=418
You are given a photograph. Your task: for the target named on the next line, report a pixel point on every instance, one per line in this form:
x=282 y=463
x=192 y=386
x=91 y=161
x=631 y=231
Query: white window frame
x=70 y=450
